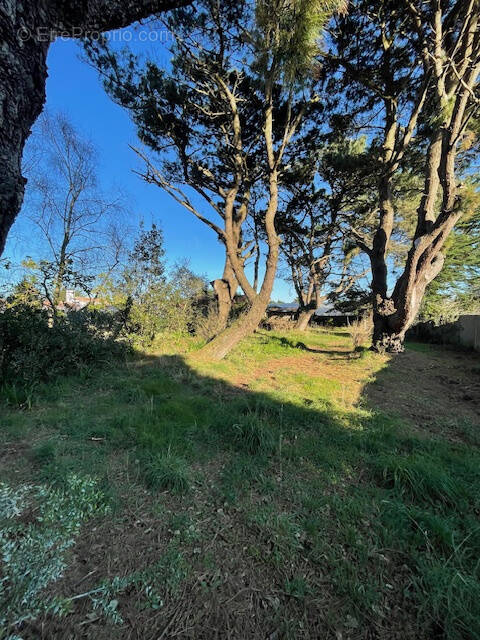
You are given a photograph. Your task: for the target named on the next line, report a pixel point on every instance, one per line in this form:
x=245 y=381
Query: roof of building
x=323 y=310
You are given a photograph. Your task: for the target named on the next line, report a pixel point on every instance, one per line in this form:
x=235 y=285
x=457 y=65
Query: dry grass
x=360 y=331
x=279 y=323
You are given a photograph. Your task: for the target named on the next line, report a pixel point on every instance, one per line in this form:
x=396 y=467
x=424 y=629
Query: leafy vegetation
x=34 y=350
x=456 y=290
x=33 y=550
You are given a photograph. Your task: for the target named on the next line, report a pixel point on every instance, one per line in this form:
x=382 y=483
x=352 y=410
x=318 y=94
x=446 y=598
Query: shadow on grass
x=429 y=386
x=341 y=516
x=299 y=344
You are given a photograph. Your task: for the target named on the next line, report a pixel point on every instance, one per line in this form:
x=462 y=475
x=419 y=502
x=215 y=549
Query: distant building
x=325 y=314
x=73 y=302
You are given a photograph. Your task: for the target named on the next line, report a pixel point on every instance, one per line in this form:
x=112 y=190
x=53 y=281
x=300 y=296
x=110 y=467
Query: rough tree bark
x=225 y=288
x=247 y=324
x=450 y=56
x=303 y=319
x=26 y=30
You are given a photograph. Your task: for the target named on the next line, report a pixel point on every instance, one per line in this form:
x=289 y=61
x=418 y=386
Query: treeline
x=336 y=143
x=363 y=142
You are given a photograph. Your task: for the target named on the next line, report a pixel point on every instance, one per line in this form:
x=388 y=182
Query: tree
x=285 y=38
x=142 y=284
x=230 y=108
x=75 y=217
x=27 y=28
x=316 y=245
x=26 y=292
x=409 y=76
x=151 y=298
x=44 y=275
x=194 y=112
x=456 y=290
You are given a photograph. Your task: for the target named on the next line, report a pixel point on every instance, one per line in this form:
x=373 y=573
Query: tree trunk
x=220 y=346
x=62 y=261
x=26 y=30
x=23 y=71
x=225 y=289
x=246 y=325
x=224 y=303
x=385 y=339
x=392 y=317
x=303 y=320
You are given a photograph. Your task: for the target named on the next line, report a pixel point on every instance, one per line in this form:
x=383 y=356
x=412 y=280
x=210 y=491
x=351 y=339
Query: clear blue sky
x=75 y=89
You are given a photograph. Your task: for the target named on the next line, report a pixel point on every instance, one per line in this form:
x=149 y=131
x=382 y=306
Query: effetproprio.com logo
x=46 y=34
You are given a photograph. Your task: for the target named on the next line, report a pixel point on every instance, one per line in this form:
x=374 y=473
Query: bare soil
x=429 y=388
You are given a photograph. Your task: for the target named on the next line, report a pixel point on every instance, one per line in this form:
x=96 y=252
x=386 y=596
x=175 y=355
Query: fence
x=469 y=334
x=465 y=332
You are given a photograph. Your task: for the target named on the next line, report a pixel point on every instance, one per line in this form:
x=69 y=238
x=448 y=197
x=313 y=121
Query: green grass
x=339 y=513
x=167 y=472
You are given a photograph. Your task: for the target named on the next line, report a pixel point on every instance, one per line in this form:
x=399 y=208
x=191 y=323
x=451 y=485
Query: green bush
x=32 y=351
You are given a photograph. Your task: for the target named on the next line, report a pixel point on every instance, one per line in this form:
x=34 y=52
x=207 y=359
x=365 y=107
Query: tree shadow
x=299 y=344
x=428 y=388
x=296 y=500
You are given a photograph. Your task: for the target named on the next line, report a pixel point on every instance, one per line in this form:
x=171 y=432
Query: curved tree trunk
x=315 y=300
x=392 y=317
x=303 y=320
x=225 y=289
x=246 y=325
x=224 y=303
x=385 y=339
x=243 y=327
x=26 y=30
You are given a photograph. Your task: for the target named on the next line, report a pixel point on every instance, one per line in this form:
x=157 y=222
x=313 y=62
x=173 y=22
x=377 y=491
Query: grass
x=298 y=509
x=166 y=471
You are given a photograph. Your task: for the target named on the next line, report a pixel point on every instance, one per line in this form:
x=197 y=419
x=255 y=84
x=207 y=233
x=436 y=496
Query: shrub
x=361 y=331
x=205 y=324
x=36 y=348
x=279 y=323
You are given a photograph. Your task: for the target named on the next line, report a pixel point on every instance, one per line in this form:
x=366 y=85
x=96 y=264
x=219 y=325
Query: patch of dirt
x=13 y=449
x=232 y=592
x=428 y=389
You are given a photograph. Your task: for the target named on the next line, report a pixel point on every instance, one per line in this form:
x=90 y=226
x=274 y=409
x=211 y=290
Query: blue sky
x=75 y=89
